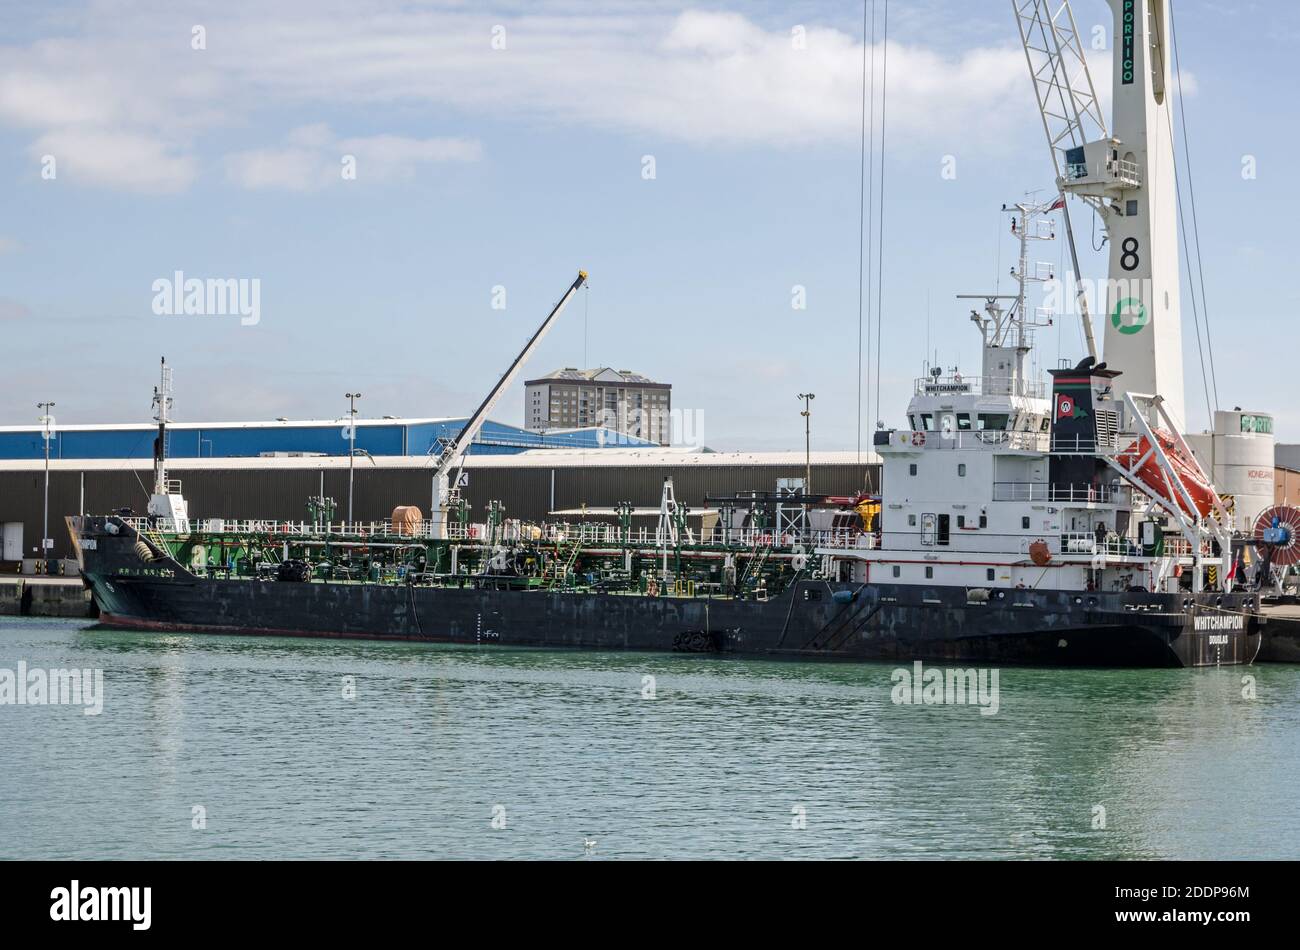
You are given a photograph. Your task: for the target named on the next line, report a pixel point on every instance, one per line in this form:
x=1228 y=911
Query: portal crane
x=1124 y=172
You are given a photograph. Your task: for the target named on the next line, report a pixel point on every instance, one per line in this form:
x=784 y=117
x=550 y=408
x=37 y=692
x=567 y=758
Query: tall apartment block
x=616 y=399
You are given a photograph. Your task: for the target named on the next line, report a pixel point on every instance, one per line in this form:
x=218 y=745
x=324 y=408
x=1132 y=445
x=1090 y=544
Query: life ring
x=918 y=438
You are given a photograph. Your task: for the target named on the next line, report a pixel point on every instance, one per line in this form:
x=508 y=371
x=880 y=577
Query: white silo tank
x=1243 y=462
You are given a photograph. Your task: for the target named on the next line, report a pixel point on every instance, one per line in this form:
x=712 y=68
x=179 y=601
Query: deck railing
x=940 y=439
x=979 y=386
x=1115 y=546
x=589 y=534
x=1065 y=494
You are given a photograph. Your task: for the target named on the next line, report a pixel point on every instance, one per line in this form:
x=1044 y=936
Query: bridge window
x=963 y=421
x=927 y=421
x=995 y=421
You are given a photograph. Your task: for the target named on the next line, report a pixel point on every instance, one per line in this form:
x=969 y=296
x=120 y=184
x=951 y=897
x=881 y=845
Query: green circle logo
x=1139 y=320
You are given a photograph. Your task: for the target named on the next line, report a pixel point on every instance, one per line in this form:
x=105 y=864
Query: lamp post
x=807 y=439
x=46 y=419
x=352 y=443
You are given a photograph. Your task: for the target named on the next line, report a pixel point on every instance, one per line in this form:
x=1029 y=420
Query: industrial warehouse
x=268 y=470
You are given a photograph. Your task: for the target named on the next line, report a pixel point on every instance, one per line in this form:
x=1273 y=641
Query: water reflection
x=728 y=759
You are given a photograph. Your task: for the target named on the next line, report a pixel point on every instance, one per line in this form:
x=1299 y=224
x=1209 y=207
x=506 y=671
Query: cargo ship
x=1013 y=525
x=1017 y=521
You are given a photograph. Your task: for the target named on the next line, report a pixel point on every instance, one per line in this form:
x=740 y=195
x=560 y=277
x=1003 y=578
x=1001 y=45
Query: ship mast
x=166 y=504
x=162 y=404
x=1007 y=331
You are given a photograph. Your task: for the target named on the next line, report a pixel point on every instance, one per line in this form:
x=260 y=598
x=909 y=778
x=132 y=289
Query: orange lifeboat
x=1188 y=472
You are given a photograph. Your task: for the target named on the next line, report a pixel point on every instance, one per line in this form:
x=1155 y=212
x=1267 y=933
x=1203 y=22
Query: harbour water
x=228 y=747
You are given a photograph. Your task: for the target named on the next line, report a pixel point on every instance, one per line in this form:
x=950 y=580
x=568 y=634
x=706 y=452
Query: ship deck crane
x=450 y=460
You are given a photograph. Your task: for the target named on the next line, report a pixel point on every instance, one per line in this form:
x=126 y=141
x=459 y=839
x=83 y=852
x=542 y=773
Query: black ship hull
x=809 y=619
x=1281 y=642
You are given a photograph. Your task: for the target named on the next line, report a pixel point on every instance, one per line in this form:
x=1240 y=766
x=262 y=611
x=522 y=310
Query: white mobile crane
x=449 y=463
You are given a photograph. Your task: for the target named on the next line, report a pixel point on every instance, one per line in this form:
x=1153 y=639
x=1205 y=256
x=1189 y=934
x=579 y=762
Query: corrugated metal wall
x=397 y=438
x=282 y=494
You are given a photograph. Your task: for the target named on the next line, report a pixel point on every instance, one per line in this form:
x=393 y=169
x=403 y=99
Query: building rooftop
x=602 y=374
x=650 y=457
x=314 y=437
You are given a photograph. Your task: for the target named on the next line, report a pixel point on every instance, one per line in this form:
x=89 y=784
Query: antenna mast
x=162 y=404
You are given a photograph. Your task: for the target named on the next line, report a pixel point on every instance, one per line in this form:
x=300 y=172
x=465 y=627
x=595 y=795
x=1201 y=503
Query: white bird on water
x=588 y=843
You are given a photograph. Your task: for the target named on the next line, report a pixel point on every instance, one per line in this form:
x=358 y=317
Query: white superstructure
x=996 y=483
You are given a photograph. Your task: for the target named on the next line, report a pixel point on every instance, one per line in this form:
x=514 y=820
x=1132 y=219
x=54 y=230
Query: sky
x=385 y=170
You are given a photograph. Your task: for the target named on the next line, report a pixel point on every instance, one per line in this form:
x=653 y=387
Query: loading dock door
x=13 y=541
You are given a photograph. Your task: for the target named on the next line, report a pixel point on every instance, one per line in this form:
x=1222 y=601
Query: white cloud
x=48 y=97
x=130 y=160
x=393 y=156
x=312 y=157
x=125 y=79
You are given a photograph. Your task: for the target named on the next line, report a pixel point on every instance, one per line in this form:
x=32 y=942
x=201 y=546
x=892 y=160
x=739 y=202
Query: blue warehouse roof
x=254 y=439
